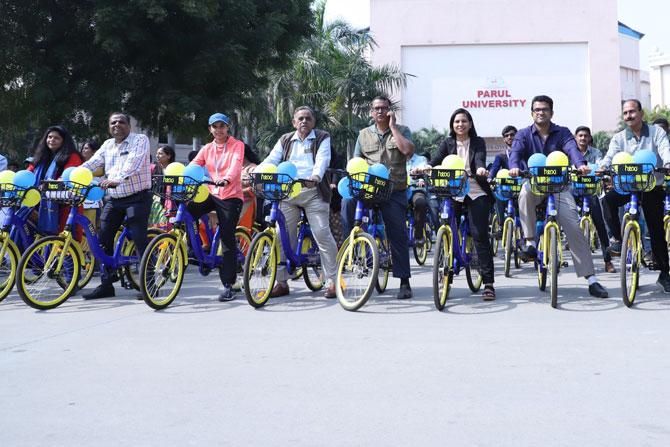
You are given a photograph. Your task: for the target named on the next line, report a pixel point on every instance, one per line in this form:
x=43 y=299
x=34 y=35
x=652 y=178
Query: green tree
x=428 y=140
x=169 y=63
x=331 y=73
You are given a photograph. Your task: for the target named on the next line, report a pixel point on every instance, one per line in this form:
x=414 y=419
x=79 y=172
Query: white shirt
x=301 y=156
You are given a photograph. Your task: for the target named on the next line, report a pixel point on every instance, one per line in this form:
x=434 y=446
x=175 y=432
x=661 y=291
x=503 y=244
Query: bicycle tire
x=586 y=227
x=553 y=266
x=517 y=247
x=630 y=264
x=421 y=250
x=442 y=265
x=312 y=274
x=383 y=273
x=360 y=258
x=87 y=264
x=476 y=283
x=156 y=272
x=33 y=267
x=243 y=239
x=666 y=230
x=508 y=238
x=494 y=226
x=260 y=265
x=131 y=271
x=9 y=262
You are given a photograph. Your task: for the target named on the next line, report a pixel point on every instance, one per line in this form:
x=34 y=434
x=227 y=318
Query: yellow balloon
x=453 y=161
x=81 y=175
x=265 y=168
x=356 y=165
x=7 y=176
x=622 y=158
x=31 y=198
x=557 y=158
x=174 y=168
x=202 y=194
x=297 y=189
x=503 y=173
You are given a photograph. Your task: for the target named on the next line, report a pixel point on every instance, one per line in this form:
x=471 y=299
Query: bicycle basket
x=370 y=188
x=177 y=188
x=272 y=187
x=67 y=193
x=11 y=195
x=549 y=179
x=585 y=185
x=634 y=177
x=508 y=188
x=447 y=182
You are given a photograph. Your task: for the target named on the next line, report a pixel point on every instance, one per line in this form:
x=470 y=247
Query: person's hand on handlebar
x=583 y=169
x=482 y=172
x=514 y=172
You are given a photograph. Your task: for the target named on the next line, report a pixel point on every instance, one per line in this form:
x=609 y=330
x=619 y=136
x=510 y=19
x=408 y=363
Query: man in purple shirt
x=543 y=136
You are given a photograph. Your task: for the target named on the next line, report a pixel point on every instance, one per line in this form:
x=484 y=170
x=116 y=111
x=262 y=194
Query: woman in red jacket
x=55 y=152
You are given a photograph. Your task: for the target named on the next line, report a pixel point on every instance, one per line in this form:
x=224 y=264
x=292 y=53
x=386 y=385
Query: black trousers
x=137 y=208
x=478 y=219
x=228 y=214
x=652 y=205
x=419 y=203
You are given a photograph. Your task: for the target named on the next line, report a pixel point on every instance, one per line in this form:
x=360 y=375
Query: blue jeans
x=393 y=212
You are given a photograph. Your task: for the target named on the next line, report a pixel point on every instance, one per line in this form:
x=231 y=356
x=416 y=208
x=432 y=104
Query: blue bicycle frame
x=461 y=257
x=293 y=260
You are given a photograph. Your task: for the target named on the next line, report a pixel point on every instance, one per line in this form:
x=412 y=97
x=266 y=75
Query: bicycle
x=666 y=211
x=61 y=257
x=494 y=231
x=454 y=246
x=420 y=250
x=508 y=189
x=550 y=180
x=583 y=188
x=163 y=264
x=17 y=233
x=633 y=178
x=366 y=250
x=260 y=266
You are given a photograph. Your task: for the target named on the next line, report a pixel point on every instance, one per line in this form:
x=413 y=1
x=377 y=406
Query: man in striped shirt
x=125 y=158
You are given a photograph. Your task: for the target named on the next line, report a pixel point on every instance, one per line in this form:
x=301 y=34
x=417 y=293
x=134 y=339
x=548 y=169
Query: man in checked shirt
x=125 y=158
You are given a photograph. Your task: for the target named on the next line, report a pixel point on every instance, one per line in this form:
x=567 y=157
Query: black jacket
x=477 y=158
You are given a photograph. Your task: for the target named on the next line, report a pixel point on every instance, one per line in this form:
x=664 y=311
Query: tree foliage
x=169 y=63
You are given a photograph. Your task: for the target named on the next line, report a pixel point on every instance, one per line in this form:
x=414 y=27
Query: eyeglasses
x=380 y=109
x=542 y=110
x=509 y=135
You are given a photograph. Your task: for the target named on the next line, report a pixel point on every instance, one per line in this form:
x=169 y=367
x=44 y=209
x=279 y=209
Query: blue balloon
x=343 y=188
x=94 y=194
x=65 y=176
x=379 y=170
x=24 y=179
x=594 y=167
x=647 y=158
x=196 y=172
x=537 y=160
x=287 y=168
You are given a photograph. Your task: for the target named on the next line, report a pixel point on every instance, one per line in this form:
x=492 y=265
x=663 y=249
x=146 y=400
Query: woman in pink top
x=223 y=160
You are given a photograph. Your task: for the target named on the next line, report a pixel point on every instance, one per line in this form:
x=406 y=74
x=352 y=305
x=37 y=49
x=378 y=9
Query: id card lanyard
x=217 y=165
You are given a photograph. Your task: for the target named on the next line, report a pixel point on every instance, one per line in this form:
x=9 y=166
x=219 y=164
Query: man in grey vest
x=389 y=143
x=309 y=150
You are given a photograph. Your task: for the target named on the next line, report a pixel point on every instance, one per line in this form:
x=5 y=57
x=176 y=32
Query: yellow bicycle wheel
x=357 y=271
x=260 y=269
x=442 y=266
x=162 y=270
x=9 y=261
x=48 y=273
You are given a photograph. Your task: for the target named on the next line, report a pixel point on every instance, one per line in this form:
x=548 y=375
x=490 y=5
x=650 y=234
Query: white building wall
x=659 y=77
x=399 y=25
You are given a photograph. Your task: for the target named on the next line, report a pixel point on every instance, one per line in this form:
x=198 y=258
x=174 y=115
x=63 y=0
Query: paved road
x=302 y=371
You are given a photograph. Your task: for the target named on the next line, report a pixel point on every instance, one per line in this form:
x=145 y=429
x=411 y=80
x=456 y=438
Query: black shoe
x=226 y=293
x=664 y=282
x=529 y=253
x=405 y=292
x=615 y=248
x=102 y=291
x=597 y=290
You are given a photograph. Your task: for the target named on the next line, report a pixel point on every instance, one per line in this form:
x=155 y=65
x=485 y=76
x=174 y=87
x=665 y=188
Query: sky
x=650 y=17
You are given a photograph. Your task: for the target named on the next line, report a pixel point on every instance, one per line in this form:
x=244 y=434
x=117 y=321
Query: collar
x=643 y=133
x=310 y=136
x=376 y=131
x=125 y=141
x=552 y=128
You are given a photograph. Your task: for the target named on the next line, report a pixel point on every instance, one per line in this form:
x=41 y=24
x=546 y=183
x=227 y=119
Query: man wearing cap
x=309 y=150
x=125 y=158
x=387 y=142
x=543 y=136
x=223 y=159
x=638 y=135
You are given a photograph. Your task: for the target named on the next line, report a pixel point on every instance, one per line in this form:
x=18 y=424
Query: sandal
x=489 y=293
